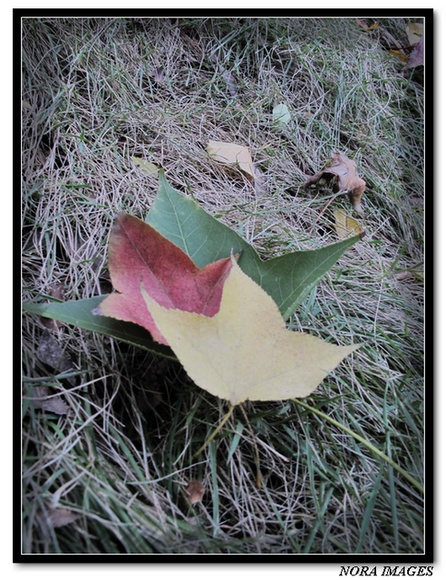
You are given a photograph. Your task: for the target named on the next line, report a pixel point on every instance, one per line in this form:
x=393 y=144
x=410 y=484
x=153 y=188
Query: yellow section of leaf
x=146 y=166
x=345 y=225
x=232 y=154
x=245 y=352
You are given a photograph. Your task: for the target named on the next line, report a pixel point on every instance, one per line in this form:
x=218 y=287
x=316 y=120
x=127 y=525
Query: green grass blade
x=288 y=279
x=369 y=445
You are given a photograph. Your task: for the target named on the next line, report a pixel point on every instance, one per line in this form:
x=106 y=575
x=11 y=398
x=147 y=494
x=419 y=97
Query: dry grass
x=97 y=92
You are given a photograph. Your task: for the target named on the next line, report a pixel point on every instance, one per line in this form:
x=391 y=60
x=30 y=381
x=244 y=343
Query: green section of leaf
x=80 y=313
x=287 y=279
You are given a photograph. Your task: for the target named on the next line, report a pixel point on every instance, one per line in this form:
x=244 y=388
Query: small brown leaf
x=416 y=57
x=403 y=275
x=194 y=491
x=234 y=155
x=59 y=517
x=42 y=399
x=363 y=24
x=399 y=54
x=345 y=177
x=51 y=353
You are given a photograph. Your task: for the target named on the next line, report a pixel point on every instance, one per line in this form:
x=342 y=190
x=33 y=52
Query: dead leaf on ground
x=42 y=399
x=59 y=517
x=363 y=24
x=51 y=353
x=346 y=226
x=146 y=166
x=416 y=57
x=415 y=31
x=233 y=155
x=398 y=53
x=403 y=275
x=194 y=491
x=346 y=178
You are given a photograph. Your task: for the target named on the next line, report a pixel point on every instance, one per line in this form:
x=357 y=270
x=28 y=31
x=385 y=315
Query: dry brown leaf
x=51 y=353
x=194 y=491
x=232 y=154
x=59 y=517
x=42 y=399
x=416 y=57
x=346 y=179
x=399 y=54
x=363 y=24
x=403 y=275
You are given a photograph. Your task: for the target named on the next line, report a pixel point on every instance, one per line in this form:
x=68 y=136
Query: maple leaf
x=416 y=57
x=245 y=352
x=346 y=178
x=138 y=254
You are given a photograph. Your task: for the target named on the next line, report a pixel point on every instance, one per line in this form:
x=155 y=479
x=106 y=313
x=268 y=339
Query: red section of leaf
x=139 y=255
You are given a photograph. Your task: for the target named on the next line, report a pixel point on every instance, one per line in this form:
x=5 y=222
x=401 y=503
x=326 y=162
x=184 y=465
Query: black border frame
x=340 y=559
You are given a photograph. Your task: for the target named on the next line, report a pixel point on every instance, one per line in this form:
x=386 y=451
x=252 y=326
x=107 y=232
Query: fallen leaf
x=245 y=352
x=415 y=31
x=51 y=352
x=194 y=491
x=146 y=166
x=158 y=74
x=416 y=57
x=345 y=225
x=59 y=517
x=403 y=275
x=138 y=254
x=346 y=178
x=281 y=114
x=230 y=82
x=363 y=24
x=42 y=399
x=232 y=154
x=399 y=54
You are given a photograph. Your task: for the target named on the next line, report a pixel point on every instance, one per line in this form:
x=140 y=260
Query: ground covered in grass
x=109 y=431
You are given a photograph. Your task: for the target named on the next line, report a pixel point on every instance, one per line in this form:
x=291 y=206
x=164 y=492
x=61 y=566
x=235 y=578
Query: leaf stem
x=215 y=432
x=369 y=445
